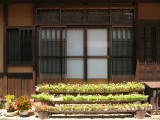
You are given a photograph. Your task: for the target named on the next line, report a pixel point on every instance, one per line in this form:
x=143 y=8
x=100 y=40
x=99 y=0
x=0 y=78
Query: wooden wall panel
x=148 y=71
x=20 y=69
x=30 y=86
x=148 y=10
x=18 y=87
x=17 y=84
x=24 y=86
x=89 y=81
x=11 y=84
x=20 y=15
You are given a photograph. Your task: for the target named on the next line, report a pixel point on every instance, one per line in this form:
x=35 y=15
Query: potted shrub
x=9 y=105
x=42 y=110
x=23 y=104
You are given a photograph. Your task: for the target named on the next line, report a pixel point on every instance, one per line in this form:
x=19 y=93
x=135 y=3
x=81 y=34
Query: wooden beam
x=85 y=54
x=5 y=24
x=157 y=99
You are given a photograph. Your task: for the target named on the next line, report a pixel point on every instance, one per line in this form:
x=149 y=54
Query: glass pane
x=74 y=68
x=74 y=42
x=122 y=42
x=50 y=65
x=97 y=42
x=122 y=66
x=13 y=36
x=97 y=68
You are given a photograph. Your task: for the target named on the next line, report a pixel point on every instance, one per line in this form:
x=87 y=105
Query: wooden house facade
x=77 y=41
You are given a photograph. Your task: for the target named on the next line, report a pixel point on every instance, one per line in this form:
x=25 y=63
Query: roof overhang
x=153 y=84
x=76 y=1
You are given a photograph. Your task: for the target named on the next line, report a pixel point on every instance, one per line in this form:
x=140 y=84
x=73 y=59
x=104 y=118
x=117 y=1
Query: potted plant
x=9 y=103
x=23 y=104
x=42 y=110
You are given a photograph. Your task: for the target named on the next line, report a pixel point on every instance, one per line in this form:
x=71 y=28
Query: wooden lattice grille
x=122 y=51
x=20 y=46
x=54 y=16
x=52 y=45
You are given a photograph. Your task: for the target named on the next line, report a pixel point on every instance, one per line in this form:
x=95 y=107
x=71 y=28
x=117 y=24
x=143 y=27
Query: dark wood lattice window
x=148 y=41
x=96 y=16
x=105 y=16
x=52 y=53
x=48 y=15
x=72 y=16
x=122 y=15
x=122 y=51
x=20 y=46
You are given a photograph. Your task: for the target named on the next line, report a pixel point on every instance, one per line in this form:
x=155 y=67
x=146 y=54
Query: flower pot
x=43 y=114
x=24 y=113
x=10 y=110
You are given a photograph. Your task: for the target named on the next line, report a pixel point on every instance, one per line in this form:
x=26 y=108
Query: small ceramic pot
x=24 y=113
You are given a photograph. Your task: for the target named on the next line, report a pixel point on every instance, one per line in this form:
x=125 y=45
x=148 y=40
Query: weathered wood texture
x=148 y=71
x=17 y=84
x=122 y=78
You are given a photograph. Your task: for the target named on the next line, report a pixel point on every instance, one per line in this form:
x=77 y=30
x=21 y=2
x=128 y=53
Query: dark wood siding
x=18 y=84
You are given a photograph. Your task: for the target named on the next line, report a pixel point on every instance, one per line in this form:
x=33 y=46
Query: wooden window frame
x=87 y=25
x=132 y=57
x=85 y=56
x=19 y=28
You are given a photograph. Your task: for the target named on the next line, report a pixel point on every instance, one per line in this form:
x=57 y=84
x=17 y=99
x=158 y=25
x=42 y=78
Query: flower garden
x=86 y=99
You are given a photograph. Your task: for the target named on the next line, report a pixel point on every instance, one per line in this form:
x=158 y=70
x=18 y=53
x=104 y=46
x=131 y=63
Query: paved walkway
x=83 y=117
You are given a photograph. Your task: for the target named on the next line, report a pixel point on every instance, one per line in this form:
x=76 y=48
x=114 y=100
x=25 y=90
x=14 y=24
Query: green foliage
x=92 y=88
x=43 y=96
x=9 y=98
x=95 y=98
x=101 y=107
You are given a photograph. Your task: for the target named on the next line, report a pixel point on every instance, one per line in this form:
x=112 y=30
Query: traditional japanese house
x=77 y=41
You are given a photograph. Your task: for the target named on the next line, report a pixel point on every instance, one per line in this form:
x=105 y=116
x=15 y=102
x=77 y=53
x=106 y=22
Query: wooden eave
x=79 y=1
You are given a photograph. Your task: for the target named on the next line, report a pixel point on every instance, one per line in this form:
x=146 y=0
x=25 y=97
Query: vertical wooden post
x=5 y=24
x=157 y=100
x=137 y=71
x=85 y=54
x=34 y=80
x=109 y=54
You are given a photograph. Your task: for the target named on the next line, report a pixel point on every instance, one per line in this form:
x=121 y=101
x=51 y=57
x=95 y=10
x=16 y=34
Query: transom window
x=54 y=16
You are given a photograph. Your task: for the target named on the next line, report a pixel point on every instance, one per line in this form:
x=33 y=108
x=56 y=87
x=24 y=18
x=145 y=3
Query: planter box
x=43 y=115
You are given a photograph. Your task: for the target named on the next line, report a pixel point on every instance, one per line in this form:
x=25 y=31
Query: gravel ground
x=82 y=117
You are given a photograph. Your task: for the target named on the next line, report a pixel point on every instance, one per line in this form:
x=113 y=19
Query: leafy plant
x=23 y=103
x=101 y=107
x=92 y=88
x=43 y=96
x=94 y=98
x=41 y=107
x=10 y=99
